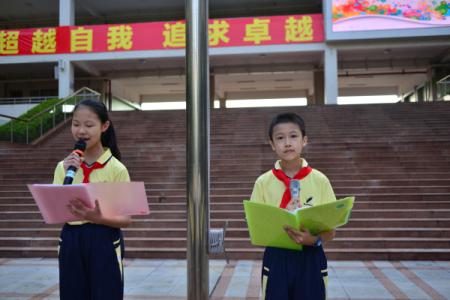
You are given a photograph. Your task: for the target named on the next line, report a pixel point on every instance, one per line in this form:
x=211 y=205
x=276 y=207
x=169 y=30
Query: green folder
x=265 y=222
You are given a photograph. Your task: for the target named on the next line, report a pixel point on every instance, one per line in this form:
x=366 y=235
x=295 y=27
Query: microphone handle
x=71 y=170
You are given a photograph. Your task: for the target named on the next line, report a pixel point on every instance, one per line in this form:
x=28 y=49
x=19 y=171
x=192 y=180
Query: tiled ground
x=166 y=279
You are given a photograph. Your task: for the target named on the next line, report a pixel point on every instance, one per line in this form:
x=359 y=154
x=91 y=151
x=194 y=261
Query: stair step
x=376 y=232
x=176 y=242
x=256 y=253
x=368 y=214
x=401 y=183
x=30 y=205
x=240 y=223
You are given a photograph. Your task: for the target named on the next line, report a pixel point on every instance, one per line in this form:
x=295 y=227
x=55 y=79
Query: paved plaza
x=166 y=279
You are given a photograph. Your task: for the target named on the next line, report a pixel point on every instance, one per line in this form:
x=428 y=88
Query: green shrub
x=34 y=127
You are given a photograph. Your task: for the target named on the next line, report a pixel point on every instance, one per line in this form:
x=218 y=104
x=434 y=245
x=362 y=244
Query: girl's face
x=287 y=141
x=87 y=126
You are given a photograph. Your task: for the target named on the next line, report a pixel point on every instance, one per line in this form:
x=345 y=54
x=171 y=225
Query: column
x=66 y=12
x=65 y=78
x=223 y=100
x=331 y=75
x=432 y=87
x=212 y=91
x=319 y=87
x=64 y=70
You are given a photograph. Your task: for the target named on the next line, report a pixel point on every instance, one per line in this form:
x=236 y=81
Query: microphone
x=294 y=186
x=79 y=148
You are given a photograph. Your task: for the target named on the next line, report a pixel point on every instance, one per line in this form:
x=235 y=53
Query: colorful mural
x=351 y=15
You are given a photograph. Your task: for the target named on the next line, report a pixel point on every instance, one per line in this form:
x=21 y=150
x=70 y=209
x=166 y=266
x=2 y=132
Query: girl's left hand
x=78 y=209
x=301 y=236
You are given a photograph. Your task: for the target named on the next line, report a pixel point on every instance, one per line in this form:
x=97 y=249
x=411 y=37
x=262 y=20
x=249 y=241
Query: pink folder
x=115 y=198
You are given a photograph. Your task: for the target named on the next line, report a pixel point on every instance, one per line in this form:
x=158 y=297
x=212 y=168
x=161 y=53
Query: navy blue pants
x=294 y=275
x=90 y=262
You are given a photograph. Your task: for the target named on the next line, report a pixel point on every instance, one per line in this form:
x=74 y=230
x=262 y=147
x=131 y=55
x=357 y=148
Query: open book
x=265 y=222
x=115 y=198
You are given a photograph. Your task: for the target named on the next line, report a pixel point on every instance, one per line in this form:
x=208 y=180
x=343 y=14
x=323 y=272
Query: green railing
x=26 y=129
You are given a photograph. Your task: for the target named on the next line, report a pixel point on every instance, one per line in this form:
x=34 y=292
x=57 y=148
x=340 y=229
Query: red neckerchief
x=87 y=170
x=302 y=173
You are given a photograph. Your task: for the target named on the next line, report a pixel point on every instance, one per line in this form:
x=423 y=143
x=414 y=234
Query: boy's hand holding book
x=301 y=236
x=277 y=227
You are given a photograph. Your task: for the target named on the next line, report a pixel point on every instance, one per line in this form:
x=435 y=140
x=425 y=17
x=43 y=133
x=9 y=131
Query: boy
x=291 y=274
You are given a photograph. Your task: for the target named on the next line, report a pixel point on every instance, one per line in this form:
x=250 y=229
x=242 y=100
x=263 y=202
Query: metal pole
x=109 y=96
x=197 y=102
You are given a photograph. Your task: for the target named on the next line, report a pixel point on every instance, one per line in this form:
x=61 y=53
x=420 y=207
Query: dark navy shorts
x=90 y=262
x=294 y=275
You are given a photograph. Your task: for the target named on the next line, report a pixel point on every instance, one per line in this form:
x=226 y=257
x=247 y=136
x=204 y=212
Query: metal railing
x=443 y=88
x=23 y=130
x=25 y=100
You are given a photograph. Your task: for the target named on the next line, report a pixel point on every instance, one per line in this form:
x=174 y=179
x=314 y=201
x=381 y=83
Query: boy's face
x=287 y=141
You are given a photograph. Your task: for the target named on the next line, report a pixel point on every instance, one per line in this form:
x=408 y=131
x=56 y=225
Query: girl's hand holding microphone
x=71 y=164
x=73 y=159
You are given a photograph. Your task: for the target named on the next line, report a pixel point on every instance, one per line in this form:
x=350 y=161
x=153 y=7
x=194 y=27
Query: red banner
x=253 y=31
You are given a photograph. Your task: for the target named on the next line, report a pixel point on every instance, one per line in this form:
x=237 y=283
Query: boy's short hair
x=287 y=118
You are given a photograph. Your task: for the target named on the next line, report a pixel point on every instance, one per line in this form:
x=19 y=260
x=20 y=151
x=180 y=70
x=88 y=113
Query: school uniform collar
x=99 y=164
x=278 y=164
x=103 y=159
x=105 y=156
x=304 y=171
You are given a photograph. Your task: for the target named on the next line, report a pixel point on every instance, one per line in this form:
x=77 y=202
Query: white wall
x=122 y=91
x=14 y=110
x=120 y=106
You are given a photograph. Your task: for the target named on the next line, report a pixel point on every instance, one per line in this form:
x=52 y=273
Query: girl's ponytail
x=109 y=140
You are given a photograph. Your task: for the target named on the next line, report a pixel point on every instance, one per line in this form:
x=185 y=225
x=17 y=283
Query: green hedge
x=34 y=127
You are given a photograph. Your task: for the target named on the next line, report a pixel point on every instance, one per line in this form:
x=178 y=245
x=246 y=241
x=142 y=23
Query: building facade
x=318 y=50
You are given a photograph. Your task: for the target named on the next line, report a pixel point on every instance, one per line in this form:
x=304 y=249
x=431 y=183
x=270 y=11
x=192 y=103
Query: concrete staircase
x=394 y=158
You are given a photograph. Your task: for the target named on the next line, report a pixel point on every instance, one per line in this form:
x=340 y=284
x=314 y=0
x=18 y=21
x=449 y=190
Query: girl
x=91 y=250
